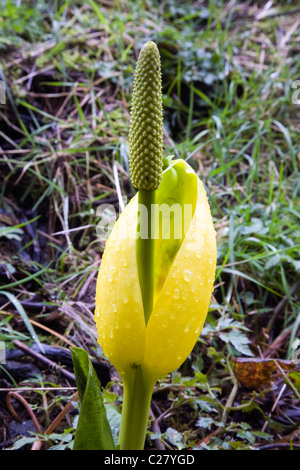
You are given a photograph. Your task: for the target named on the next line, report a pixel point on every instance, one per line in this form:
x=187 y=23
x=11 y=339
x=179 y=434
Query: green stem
x=138 y=386
x=145 y=246
x=135 y=412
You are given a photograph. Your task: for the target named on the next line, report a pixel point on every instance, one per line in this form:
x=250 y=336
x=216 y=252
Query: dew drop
x=198 y=254
x=114 y=307
x=187 y=275
x=176 y=294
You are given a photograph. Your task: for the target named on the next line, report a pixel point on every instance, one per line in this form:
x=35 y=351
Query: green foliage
x=93 y=431
x=228 y=77
x=20 y=20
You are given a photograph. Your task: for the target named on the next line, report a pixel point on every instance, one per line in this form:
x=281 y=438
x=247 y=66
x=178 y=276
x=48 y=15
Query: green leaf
x=204 y=422
x=294 y=376
x=93 y=430
x=238 y=340
x=175 y=438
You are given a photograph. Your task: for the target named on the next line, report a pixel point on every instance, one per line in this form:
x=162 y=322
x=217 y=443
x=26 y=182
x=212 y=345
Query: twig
x=281 y=304
x=33 y=389
x=276 y=344
x=206 y=439
x=232 y=395
x=278 y=444
x=39 y=357
x=26 y=405
x=230 y=401
x=274 y=406
x=43 y=327
x=37 y=445
x=156 y=429
x=287 y=380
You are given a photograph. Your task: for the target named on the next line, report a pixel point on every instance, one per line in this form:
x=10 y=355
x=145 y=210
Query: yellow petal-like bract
x=183 y=298
x=181 y=308
x=119 y=312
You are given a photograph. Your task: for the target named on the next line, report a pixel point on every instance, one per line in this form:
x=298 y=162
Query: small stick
x=39 y=357
x=26 y=405
x=156 y=429
x=38 y=444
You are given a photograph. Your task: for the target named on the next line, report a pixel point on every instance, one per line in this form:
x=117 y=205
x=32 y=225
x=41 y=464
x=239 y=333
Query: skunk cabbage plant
x=157 y=271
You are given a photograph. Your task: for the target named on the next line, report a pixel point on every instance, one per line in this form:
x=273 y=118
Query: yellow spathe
x=184 y=294
x=181 y=308
x=119 y=314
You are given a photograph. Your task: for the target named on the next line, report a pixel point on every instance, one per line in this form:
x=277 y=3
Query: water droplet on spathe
x=176 y=294
x=187 y=275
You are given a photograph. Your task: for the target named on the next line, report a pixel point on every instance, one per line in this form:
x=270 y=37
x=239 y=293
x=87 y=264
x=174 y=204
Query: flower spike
x=146 y=126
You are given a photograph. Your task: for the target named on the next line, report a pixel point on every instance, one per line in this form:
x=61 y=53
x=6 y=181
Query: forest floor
x=231 y=93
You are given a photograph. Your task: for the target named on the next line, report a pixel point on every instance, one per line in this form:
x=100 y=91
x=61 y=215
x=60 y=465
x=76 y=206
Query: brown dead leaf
x=257 y=373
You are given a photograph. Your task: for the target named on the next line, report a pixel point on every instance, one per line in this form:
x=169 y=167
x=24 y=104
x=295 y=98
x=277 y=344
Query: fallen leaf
x=257 y=373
